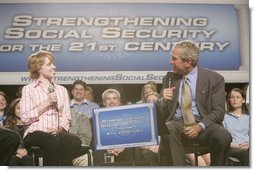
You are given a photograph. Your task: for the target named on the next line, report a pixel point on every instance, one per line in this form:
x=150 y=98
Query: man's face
x=179 y=66
x=112 y=100
x=78 y=92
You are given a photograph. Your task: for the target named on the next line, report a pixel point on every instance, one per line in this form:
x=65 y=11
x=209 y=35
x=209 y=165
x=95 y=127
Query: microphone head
x=51 y=89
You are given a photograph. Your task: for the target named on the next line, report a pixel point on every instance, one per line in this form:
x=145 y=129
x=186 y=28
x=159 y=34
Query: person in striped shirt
x=45 y=110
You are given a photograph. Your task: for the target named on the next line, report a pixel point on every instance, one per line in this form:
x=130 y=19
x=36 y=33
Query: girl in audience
x=150 y=153
x=3 y=107
x=89 y=94
x=152 y=97
x=148 y=88
x=13 y=122
x=236 y=121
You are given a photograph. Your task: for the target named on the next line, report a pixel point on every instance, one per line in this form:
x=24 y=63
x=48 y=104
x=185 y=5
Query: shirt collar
x=191 y=76
x=233 y=115
x=38 y=82
x=73 y=102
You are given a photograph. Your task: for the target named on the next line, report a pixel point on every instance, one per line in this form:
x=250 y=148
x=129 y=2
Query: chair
x=86 y=150
x=37 y=155
x=232 y=161
x=197 y=149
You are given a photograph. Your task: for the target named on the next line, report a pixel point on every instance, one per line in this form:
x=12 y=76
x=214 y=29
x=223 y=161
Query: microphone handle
x=169 y=77
x=169 y=83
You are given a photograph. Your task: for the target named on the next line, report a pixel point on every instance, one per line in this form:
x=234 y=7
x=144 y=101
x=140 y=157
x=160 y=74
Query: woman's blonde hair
x=147 y=85
x=35 y=62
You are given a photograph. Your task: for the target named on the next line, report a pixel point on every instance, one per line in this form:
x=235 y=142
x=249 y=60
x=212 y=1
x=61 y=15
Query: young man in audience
x=81 y=106
x=79 y=101
x=112 y=98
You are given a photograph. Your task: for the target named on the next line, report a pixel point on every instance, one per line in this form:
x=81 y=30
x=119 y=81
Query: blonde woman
x=45 y=108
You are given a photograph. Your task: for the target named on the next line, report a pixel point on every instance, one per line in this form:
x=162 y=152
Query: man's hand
x=116 y=151
x=192 y=131
x=244 y=146
x=167 y=94
x=152 y=148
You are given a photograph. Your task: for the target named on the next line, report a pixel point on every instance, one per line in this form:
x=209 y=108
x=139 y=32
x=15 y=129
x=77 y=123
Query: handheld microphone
x=51 y=89
x=169 y=78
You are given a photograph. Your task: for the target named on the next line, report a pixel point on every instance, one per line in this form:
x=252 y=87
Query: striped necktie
x=188 y=116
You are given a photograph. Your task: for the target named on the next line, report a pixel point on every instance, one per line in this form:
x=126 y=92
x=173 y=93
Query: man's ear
x=189 y=62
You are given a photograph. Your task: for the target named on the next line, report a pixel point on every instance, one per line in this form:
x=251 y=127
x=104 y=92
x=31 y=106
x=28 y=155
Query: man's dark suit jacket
x=210 y=98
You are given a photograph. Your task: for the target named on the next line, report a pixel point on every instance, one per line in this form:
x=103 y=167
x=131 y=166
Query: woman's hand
x=21 y=153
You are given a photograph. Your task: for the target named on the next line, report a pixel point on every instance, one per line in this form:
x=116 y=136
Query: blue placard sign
x=125 y=126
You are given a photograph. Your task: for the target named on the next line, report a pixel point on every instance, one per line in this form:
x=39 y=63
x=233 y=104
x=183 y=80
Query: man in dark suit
x=9 y=142
x=208 y=100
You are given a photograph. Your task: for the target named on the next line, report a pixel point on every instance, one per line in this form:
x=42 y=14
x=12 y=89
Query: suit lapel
x=201 y=87
x=173 y=104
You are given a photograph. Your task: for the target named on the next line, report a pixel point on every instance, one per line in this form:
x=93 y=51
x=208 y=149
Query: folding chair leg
x=33 y=157
x=196 y=159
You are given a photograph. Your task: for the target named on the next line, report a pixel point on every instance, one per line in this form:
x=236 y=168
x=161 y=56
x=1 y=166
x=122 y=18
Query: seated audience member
x=111 y=98
x=81 y=114
x=13 y=122
x=147 y=89
x=122 y=92
x=152 y=97
x=236 y=121
x=3 y=107
x=79 y=101
x=82 y=127
x=150 y=153
x=45 y=109
x=89 y=94
x=9 y=141
x=80 y=105
x=153 y=83
x=146 y=156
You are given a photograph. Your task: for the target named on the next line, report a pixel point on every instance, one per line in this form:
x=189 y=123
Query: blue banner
x=125 y=126
x=117 y=37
